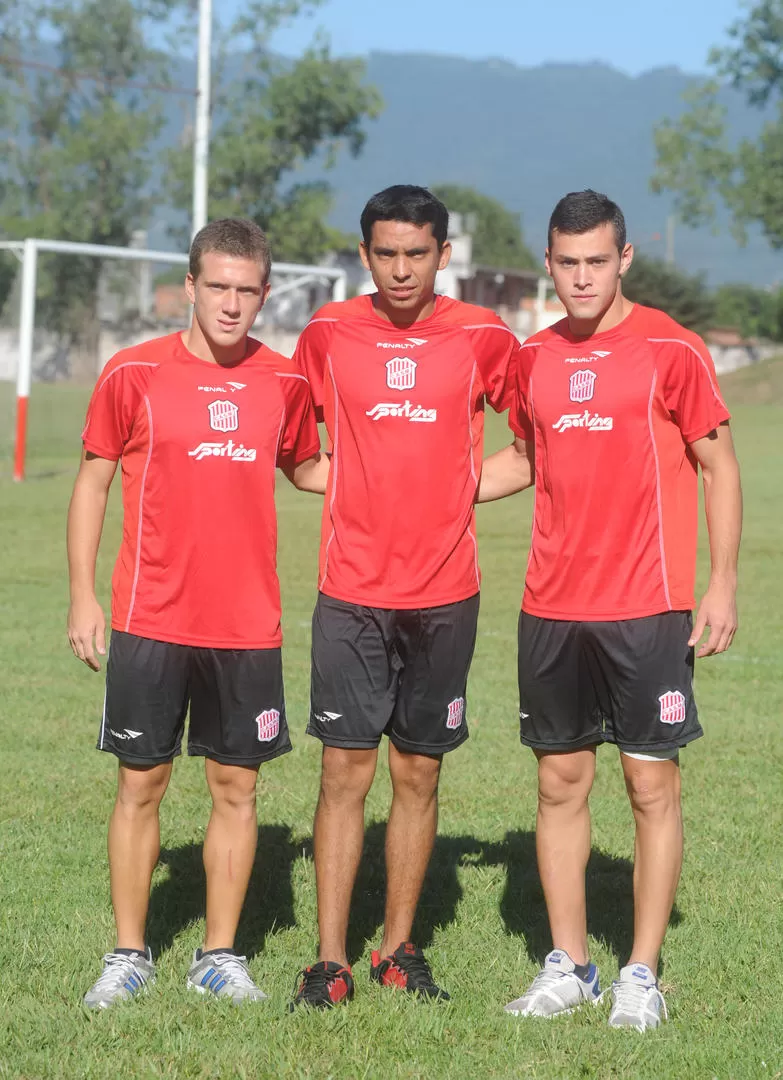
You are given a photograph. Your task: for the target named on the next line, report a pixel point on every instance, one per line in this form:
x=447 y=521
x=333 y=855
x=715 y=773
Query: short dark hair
x=231 y=236
x=582 y=211
x=409 y=203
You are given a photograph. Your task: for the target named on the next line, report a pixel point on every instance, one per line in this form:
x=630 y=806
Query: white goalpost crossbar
x=29 y=251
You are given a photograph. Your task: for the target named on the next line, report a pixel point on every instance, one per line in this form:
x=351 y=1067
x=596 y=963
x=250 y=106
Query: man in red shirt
x=199 y=421
x=401 y=379
x=616 y=407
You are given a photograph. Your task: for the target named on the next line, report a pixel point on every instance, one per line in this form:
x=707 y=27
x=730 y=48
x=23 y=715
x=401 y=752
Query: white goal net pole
x=29 y=250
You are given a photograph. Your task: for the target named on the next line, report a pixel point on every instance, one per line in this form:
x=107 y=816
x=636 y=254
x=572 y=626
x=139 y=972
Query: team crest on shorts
x=672 y=707
x=401 y=373
x=268 y=725
x=455 y=713
x=581 y=385
x=223 y=416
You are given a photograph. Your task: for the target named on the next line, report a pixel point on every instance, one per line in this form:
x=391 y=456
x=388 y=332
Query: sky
x=632 y=35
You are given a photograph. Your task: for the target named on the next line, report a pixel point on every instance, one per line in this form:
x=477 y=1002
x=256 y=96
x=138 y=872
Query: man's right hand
x=87 y=631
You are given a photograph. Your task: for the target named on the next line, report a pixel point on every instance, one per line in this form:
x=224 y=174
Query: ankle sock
x=208 y=952
x=584 y=971
x=131 y=952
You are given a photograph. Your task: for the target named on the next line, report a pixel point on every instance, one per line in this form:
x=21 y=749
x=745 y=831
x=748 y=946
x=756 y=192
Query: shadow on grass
x=179 y=900
x=609 y=888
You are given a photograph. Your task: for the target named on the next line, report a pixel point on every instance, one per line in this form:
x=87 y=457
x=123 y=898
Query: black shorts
x=237 y=711
x=628 y=682
x=404 y=673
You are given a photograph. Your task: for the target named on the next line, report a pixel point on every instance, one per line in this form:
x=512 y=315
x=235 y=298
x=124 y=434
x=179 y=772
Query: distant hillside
x=525 y=136
x=528 y=135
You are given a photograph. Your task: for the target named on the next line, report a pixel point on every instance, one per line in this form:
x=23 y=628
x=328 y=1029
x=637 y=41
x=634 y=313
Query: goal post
x=295 y=276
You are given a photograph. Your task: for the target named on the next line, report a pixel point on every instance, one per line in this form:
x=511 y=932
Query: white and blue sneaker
x=224 y=975
x=557 y=989
x=122 y=978
x=636 y=1000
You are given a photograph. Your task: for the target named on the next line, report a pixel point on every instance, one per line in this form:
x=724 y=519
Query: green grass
x=482 y=919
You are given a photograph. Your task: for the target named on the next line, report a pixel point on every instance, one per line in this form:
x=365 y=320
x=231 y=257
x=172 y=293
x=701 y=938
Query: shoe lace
x=235 y=967
x=633 y=997
x=546 y=980
x=415 y=967
x=116 y=969
x=312 y=985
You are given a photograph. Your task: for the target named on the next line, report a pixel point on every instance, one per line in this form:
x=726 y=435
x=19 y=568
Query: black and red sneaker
x=407 y=969
x=324 y=985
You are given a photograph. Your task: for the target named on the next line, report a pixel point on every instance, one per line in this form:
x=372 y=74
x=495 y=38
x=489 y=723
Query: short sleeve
x=520 y=413
x=690 y=389
x=496 y=349
x=300 y=432
x=113 y=406
x=310 y=358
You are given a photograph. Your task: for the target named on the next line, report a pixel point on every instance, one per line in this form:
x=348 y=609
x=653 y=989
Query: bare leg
x=410 y=836
x=338 y=836
x=229 y=848
x=134 y=846
x=563 y=844
x=654 y=790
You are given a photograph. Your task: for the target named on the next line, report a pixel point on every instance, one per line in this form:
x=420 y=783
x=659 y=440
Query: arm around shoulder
x=510 y=470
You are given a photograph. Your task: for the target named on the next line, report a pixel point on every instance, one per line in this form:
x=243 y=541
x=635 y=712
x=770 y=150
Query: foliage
x=756 y=313
x=271 y=117
x=694 y=157
x=497 y=240
x=79 y=169
x=656 y=284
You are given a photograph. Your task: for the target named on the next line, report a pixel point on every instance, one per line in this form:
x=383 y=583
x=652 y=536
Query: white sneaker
x=122 y=978
x=556 y=989
x=636 y=1000
x=224 y=975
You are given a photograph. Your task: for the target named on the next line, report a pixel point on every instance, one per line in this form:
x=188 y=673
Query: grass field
x=482 y=920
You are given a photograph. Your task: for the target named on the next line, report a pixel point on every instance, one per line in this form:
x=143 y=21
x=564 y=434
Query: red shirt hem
x=174 y=638
x=605 y=616
x=399 y=605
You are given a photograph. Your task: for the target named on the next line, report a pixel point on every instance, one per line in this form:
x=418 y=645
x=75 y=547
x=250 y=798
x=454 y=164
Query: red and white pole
x=24 y=373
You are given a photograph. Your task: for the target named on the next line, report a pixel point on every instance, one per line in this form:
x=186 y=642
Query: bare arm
x=86 y=622
x=723 y=506
x=509 y=470
x=310 y=474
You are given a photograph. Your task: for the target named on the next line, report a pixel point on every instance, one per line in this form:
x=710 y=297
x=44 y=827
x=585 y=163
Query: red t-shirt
x=404 y=410
x=198 y=445
x=616 y=501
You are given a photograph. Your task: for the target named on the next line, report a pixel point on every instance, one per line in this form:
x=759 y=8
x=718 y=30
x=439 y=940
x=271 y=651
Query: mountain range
x=527 y=135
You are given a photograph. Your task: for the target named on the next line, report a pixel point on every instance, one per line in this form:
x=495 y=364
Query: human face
x=403 y=260
x=587 y=269
x=227 y=296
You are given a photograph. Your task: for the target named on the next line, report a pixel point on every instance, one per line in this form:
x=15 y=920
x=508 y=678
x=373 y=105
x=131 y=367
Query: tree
x=269 y=119
x=498 y=239
x=78 y=169
x=657 y=284
x=694 y=157
x=756 y=313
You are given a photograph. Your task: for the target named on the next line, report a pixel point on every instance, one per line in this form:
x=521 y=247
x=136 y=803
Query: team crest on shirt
x=455 y=713
x=672 y=707
x=223 y=416
x=268 y=725
x=581 y=385
x=401 y=373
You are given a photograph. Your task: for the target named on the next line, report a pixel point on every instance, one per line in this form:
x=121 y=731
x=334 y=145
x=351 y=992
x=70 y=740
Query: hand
x=718 y=610
x=85 y=623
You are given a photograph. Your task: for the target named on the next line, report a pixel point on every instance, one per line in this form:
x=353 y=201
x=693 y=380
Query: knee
x=346 y=775
x=415 y=777
x=140 y=790
x=653 y=794
x=563 y=782
x=233 y=790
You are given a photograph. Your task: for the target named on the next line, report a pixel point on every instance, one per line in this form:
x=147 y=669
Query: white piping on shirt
x=334 y=465
x=664 y=575
x=141 y=517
